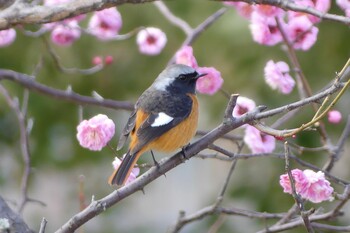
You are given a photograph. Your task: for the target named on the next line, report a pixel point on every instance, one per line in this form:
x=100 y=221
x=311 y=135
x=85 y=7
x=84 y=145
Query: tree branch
x=29 y=82
x=20 y=13
x=290 y=5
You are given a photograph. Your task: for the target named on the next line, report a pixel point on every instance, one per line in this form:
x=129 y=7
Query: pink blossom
x=301 y=32
x=345 y=6
x=299 y=179
x=334 y=116
x=95 y=133
x=134 y=172
x=310 y=185
x=243 y=105
x=320 y=5
x=7 y=37
x=257 y=141
x=65 y=35
x=210 y=83
x=244 y=9
x=151 y=41
x=265 y=30
x=277 y=76
x=268 y=11
x=185 y=56
x=105 y=24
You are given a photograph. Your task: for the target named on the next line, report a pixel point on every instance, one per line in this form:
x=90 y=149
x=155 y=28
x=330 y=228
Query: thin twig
x=180 y=23
x=24 y=145
x=297 y=198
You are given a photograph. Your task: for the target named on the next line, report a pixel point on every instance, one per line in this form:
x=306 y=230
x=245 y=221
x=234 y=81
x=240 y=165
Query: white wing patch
x=162 y=119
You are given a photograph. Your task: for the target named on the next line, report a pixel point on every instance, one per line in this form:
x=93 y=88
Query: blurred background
x=61 y=166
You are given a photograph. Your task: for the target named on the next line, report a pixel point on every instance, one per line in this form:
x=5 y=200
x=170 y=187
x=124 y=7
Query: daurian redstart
x=165 y=118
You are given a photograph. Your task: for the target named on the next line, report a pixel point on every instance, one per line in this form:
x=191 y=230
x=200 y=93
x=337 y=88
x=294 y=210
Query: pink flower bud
x=97 y=60
x=95 y=133
x=210 y=83
x=109 y=59
x=134 y=172
x=334 y=116
x=151 y=41
x=277 y=77
x=105 y=24
x=7 y=37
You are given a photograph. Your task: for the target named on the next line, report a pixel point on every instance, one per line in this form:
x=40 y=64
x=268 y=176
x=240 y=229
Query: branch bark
x=24 y=13
x=16 y=222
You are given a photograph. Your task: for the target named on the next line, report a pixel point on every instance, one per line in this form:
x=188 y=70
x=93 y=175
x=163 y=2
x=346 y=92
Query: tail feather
x=120 y=175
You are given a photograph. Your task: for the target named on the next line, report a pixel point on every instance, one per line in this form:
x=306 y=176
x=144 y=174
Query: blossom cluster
x=269 y=24
x=310 y=185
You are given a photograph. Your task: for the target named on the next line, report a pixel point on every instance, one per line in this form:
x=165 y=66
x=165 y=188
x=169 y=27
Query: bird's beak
x=200 y=75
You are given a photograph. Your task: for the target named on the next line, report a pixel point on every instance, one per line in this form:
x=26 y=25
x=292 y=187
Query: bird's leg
x=183 y=151
x=154 y=160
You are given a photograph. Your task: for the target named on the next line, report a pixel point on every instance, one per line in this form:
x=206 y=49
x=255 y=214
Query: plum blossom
x=210 y=83
x=319 y=5
x=151 y=41
x=268 y=11
x=257 y=141
x=134 y=172
x=185 y=56
x=310 y=185
x=345 y=6
x=95 y=133
x=243 y=105
x=65 y=34
x=301 y=32
x=277 y=76
x=7 y=37
x=244 y=9
x=105 y=24
x=334 y=116
x=265 y=30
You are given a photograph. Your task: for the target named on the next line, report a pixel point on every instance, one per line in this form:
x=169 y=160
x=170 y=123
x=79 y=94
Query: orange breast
x=181 y=134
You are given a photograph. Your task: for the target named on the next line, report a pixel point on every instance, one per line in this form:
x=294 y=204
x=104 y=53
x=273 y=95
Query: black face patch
x=187 y=77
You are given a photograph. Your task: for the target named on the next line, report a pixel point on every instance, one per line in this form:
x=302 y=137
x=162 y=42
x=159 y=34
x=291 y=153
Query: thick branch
x=20 y=13
x=16 y=222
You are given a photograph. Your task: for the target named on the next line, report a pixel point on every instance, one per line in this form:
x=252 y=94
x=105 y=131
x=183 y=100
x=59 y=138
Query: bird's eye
x=182 y=77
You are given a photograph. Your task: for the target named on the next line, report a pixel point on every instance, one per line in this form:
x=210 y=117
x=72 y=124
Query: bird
x=164 y=118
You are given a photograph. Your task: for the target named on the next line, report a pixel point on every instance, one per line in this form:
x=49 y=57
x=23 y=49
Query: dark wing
x=130 y=125
x=176 y=108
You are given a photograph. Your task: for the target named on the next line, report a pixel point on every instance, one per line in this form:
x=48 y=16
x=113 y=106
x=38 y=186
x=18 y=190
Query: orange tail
x=120 y=175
